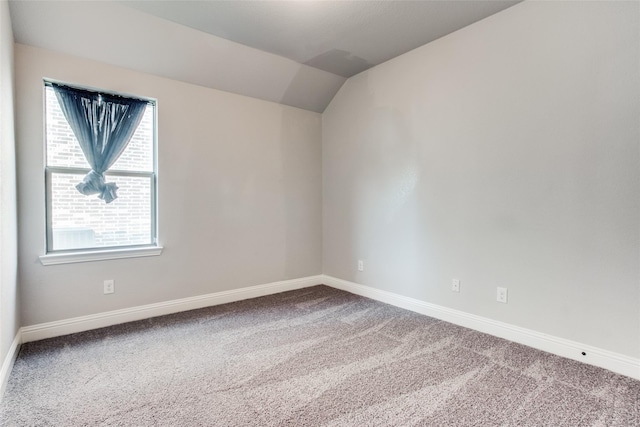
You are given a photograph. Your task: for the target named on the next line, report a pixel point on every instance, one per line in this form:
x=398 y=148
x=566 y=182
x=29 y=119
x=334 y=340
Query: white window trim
x=52 y=257
x=99 y=255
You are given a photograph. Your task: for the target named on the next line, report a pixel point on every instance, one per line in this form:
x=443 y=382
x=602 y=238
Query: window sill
x=100 y=255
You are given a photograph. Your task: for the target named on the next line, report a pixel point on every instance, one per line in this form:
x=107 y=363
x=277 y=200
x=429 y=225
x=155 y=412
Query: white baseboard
x=8 y=362
x=615 y=362
x=109 y=318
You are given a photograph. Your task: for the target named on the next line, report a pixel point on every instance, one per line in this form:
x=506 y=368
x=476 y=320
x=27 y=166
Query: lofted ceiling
x=341 y=37
x=296 y=53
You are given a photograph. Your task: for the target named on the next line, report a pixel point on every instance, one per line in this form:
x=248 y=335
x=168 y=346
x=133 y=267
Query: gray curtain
x=103 y=125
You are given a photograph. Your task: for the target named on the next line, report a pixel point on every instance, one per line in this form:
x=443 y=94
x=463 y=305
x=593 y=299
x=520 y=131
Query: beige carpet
x=313 y=357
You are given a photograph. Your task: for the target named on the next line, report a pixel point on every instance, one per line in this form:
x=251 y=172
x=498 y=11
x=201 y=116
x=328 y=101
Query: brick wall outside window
x=80 y=221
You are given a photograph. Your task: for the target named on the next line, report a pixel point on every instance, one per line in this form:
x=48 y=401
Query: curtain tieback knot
x=94 y=183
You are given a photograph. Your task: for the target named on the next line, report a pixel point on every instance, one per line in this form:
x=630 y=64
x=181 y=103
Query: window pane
x=62 y=146
x=138 y=156
x=63 y=149
x=80 y=221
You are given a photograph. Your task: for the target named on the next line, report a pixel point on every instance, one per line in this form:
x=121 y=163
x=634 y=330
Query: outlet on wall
x=109 y=286
x=455 y=285
x=502 y=295
x=360 y=265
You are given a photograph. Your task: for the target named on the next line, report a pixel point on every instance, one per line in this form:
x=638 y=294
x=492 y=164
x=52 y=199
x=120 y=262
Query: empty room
x=320 y=213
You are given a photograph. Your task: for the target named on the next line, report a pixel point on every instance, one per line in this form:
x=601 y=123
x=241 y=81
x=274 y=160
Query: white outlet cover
x=455 y=285
x=109 y=286
x=501 y=295
x=360 y=265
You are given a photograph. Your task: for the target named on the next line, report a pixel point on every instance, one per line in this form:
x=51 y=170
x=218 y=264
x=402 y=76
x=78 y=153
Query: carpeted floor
x=313 y=357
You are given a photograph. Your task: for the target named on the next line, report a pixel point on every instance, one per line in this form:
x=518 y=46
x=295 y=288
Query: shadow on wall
x=301 y=154
x=373 y=182
x=389 y=222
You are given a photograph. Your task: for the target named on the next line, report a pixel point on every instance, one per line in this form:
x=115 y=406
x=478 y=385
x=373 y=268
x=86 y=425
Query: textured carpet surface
x=313 y=357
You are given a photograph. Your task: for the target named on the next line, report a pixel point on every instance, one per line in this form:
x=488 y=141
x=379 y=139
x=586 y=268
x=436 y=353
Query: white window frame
x=52 y=256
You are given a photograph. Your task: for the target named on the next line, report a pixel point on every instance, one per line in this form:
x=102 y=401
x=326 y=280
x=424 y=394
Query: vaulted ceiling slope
x=296 y=53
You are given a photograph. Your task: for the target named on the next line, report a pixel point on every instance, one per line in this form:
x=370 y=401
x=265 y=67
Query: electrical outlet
x=360 y=265
x=502 y=295
x=455 y=285
x=109 y=286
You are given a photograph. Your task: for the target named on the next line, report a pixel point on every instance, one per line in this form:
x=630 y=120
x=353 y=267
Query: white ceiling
x=341 y=37
x=296 y=53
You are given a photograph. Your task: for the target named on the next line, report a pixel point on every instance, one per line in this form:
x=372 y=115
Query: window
x=77 y=222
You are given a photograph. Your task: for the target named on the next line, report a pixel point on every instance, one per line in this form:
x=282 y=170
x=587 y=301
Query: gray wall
x=8 y=222
x=239 y=194
x=505 y=154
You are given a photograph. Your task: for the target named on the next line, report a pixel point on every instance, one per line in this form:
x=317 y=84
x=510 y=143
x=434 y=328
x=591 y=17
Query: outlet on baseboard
x=109 y=286
x=455 y=285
